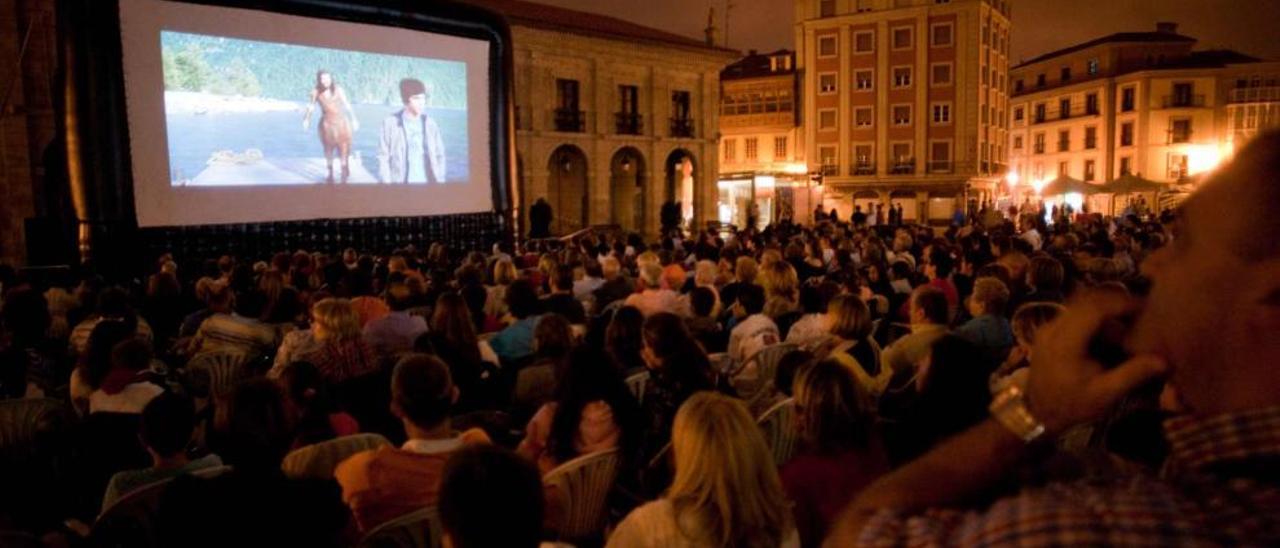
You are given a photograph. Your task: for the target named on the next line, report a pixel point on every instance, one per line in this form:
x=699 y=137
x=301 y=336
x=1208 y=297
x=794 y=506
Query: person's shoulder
x=358 y=463
x=475 y=436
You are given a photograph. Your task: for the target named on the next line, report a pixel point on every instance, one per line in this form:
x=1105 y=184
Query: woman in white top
x=726 y=490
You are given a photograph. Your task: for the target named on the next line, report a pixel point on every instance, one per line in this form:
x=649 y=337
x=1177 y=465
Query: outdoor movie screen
x=246 y=116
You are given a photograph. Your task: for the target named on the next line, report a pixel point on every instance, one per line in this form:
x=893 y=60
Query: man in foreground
x=1208 y=327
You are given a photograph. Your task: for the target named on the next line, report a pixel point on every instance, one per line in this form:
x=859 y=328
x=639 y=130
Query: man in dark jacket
x=540 y=219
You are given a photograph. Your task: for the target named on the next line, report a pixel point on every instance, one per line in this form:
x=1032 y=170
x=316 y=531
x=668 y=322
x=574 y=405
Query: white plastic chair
x=778 y=424
x=417 y=529
x=318 y=460
x=764 y=364
x=219 y=369
x=581 y=487
x=635 y=383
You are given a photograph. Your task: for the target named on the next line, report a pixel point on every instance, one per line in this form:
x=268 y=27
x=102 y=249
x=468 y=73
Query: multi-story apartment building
x=613 y=119
x=905 y=101
x=1142 y=103
x=761 y=152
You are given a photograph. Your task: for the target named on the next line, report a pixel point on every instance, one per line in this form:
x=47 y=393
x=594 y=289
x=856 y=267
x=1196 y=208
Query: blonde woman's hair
x=769 y=256
x=850 y=319
x=835 y=411
x=779 y=279
x=337 y=319
x=745 y=269
x=726 y=490
x=504 y=272
x=704 y=273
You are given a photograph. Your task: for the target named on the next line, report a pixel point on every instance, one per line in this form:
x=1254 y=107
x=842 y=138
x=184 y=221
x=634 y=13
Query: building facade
x=613 y=119
x=761 y=148
x=1141 y=103
x=905 y=101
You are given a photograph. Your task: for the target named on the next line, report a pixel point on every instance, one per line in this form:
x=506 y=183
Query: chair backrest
x=635 y=383
x=217 y=372
x=130 y=521
x=721 y=362
x=754 y=378
x=24 y=421
x=778 y=424
x=418 y=529
x=318 y=460
x=581 y=487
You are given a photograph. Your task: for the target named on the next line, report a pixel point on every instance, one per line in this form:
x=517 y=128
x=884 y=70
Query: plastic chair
x=581 y=488
x=130 y=521
x=418 y=529
x=778 y=424
x=34 y=438
x=755 y=388
x=318 y=460
x=636 y=383
x=215 y=373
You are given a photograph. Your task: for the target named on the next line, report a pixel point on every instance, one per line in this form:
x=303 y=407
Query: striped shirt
x=1220 y=486
x=79 y=339
x=234 y=333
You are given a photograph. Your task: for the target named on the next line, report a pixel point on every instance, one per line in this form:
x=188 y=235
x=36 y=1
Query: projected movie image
x=252 y=113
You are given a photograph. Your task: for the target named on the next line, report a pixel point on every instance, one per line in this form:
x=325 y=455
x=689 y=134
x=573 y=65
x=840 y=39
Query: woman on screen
x=335 y=131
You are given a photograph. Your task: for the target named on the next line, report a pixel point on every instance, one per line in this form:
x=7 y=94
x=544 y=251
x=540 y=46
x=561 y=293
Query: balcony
x=628 y=123
x=568 y=120
x=864 y=169
x=1255 y=95
x=1182 y=101
x=903 y=166
x=940 y=166
x=830 y=169
x=682 y=127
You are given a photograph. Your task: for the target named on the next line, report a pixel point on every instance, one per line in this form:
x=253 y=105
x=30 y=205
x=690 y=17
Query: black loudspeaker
x=50 y=241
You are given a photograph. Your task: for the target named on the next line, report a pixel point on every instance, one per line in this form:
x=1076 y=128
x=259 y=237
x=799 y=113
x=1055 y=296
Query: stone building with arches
x=613 y=119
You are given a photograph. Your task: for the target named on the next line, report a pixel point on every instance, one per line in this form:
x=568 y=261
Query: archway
x=681 y=166
x=626 y=188
x=567 y=189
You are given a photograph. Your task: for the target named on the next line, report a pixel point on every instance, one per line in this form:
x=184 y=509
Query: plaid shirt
x=1221 y=487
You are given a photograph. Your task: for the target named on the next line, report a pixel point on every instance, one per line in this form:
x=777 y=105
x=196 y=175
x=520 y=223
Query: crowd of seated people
x=981 y=383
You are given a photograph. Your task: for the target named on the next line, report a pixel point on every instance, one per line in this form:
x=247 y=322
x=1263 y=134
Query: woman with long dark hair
x=335 y=130
x=678 y=368
x=472 y=364
x=592 y=411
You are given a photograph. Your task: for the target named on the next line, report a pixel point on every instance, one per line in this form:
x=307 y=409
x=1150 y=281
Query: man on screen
x=410 y=149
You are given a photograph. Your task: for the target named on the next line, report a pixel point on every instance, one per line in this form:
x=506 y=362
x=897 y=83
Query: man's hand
x=1066 y=385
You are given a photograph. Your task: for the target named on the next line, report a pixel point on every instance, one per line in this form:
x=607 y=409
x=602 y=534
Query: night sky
x=1040 y=26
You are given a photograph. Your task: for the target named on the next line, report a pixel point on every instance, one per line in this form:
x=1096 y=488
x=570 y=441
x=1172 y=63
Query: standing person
x=859 y=218
x=411 y=149
x=540 y=219
x=335 y=130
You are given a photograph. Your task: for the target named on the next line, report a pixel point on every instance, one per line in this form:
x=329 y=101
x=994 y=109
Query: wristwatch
x=1009 y=408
